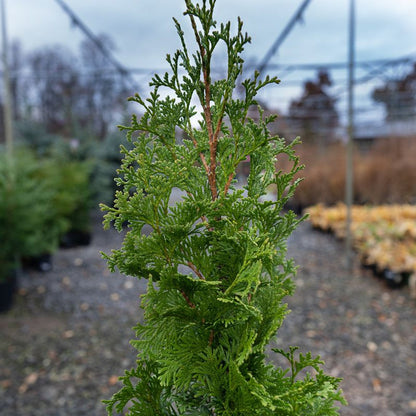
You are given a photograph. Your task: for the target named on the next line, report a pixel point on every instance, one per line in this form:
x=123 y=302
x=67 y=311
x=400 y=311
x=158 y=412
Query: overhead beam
x=280 y=39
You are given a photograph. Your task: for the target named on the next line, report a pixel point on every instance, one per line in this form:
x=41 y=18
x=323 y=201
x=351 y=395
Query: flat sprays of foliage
x=215 y=260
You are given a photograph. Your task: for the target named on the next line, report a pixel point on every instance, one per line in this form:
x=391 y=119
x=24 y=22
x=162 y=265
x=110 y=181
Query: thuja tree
x=215 y=260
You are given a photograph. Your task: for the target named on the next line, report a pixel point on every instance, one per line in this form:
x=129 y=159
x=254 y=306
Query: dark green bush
x=29 y=223
x=70 y=180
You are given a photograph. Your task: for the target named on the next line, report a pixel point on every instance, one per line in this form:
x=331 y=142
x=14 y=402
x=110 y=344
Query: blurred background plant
x=30 y=225
x=384 y=174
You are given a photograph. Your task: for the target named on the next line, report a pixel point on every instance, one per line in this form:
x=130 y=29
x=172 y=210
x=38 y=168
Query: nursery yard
x=63 y=344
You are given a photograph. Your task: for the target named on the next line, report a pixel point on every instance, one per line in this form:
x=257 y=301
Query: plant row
x=43 y=201
x=384 y=235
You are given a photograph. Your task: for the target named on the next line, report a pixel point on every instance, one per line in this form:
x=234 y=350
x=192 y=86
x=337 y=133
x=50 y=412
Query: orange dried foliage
x=386 y=174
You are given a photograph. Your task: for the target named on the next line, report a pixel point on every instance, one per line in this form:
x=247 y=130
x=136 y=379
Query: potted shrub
x=66 y=166
x=9 y=240
x=75 y=187
x=69 y=180
x=106 y=159
x=29 y=226
x=215 y=259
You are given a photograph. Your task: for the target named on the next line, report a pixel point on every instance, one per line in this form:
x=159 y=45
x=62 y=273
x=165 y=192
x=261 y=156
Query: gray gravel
x=66 y=340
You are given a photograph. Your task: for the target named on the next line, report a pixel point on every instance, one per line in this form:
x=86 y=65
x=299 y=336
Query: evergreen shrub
x=73 y=193
x=29 y=223
x=215 y=260
x=106 y=159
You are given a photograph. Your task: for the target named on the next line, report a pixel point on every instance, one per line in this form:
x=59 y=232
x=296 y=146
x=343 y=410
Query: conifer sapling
x=215 y=260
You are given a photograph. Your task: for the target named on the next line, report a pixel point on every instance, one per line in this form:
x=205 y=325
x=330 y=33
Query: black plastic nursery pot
x=8 y=288
x=377 y=272
x=75 y=238
x=396 y=279
x=42 y=263
x=392 y=278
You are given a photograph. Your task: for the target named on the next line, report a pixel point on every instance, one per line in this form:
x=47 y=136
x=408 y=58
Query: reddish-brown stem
x=201 y=155
x=195 y=270
x=219 y=122
x=212 y=139
x=204 y=162
x=211 y=337
x=227 y=185
x=206 y=104
x=188 y=301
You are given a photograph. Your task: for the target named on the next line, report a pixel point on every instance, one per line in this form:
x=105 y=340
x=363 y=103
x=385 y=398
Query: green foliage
x=29 y=225
x=41 y=198
x=215 y=260
x=98 y=158
x=34 y=136
x=69 y=180
x=106 y=158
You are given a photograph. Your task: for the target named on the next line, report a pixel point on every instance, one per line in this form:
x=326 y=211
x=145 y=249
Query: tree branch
x=188 y=301
x=195 y=270
x=227 y=185
x=201 y=155
x=206 y=105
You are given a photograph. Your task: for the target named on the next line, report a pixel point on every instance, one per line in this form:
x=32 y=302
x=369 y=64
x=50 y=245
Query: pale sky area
x=143 y=31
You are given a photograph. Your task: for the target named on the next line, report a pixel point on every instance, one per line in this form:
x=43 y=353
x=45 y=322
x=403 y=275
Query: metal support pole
x=7 y=105
x=349 y=186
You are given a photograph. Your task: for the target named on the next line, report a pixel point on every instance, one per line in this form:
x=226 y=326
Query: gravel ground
x=66 y=340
